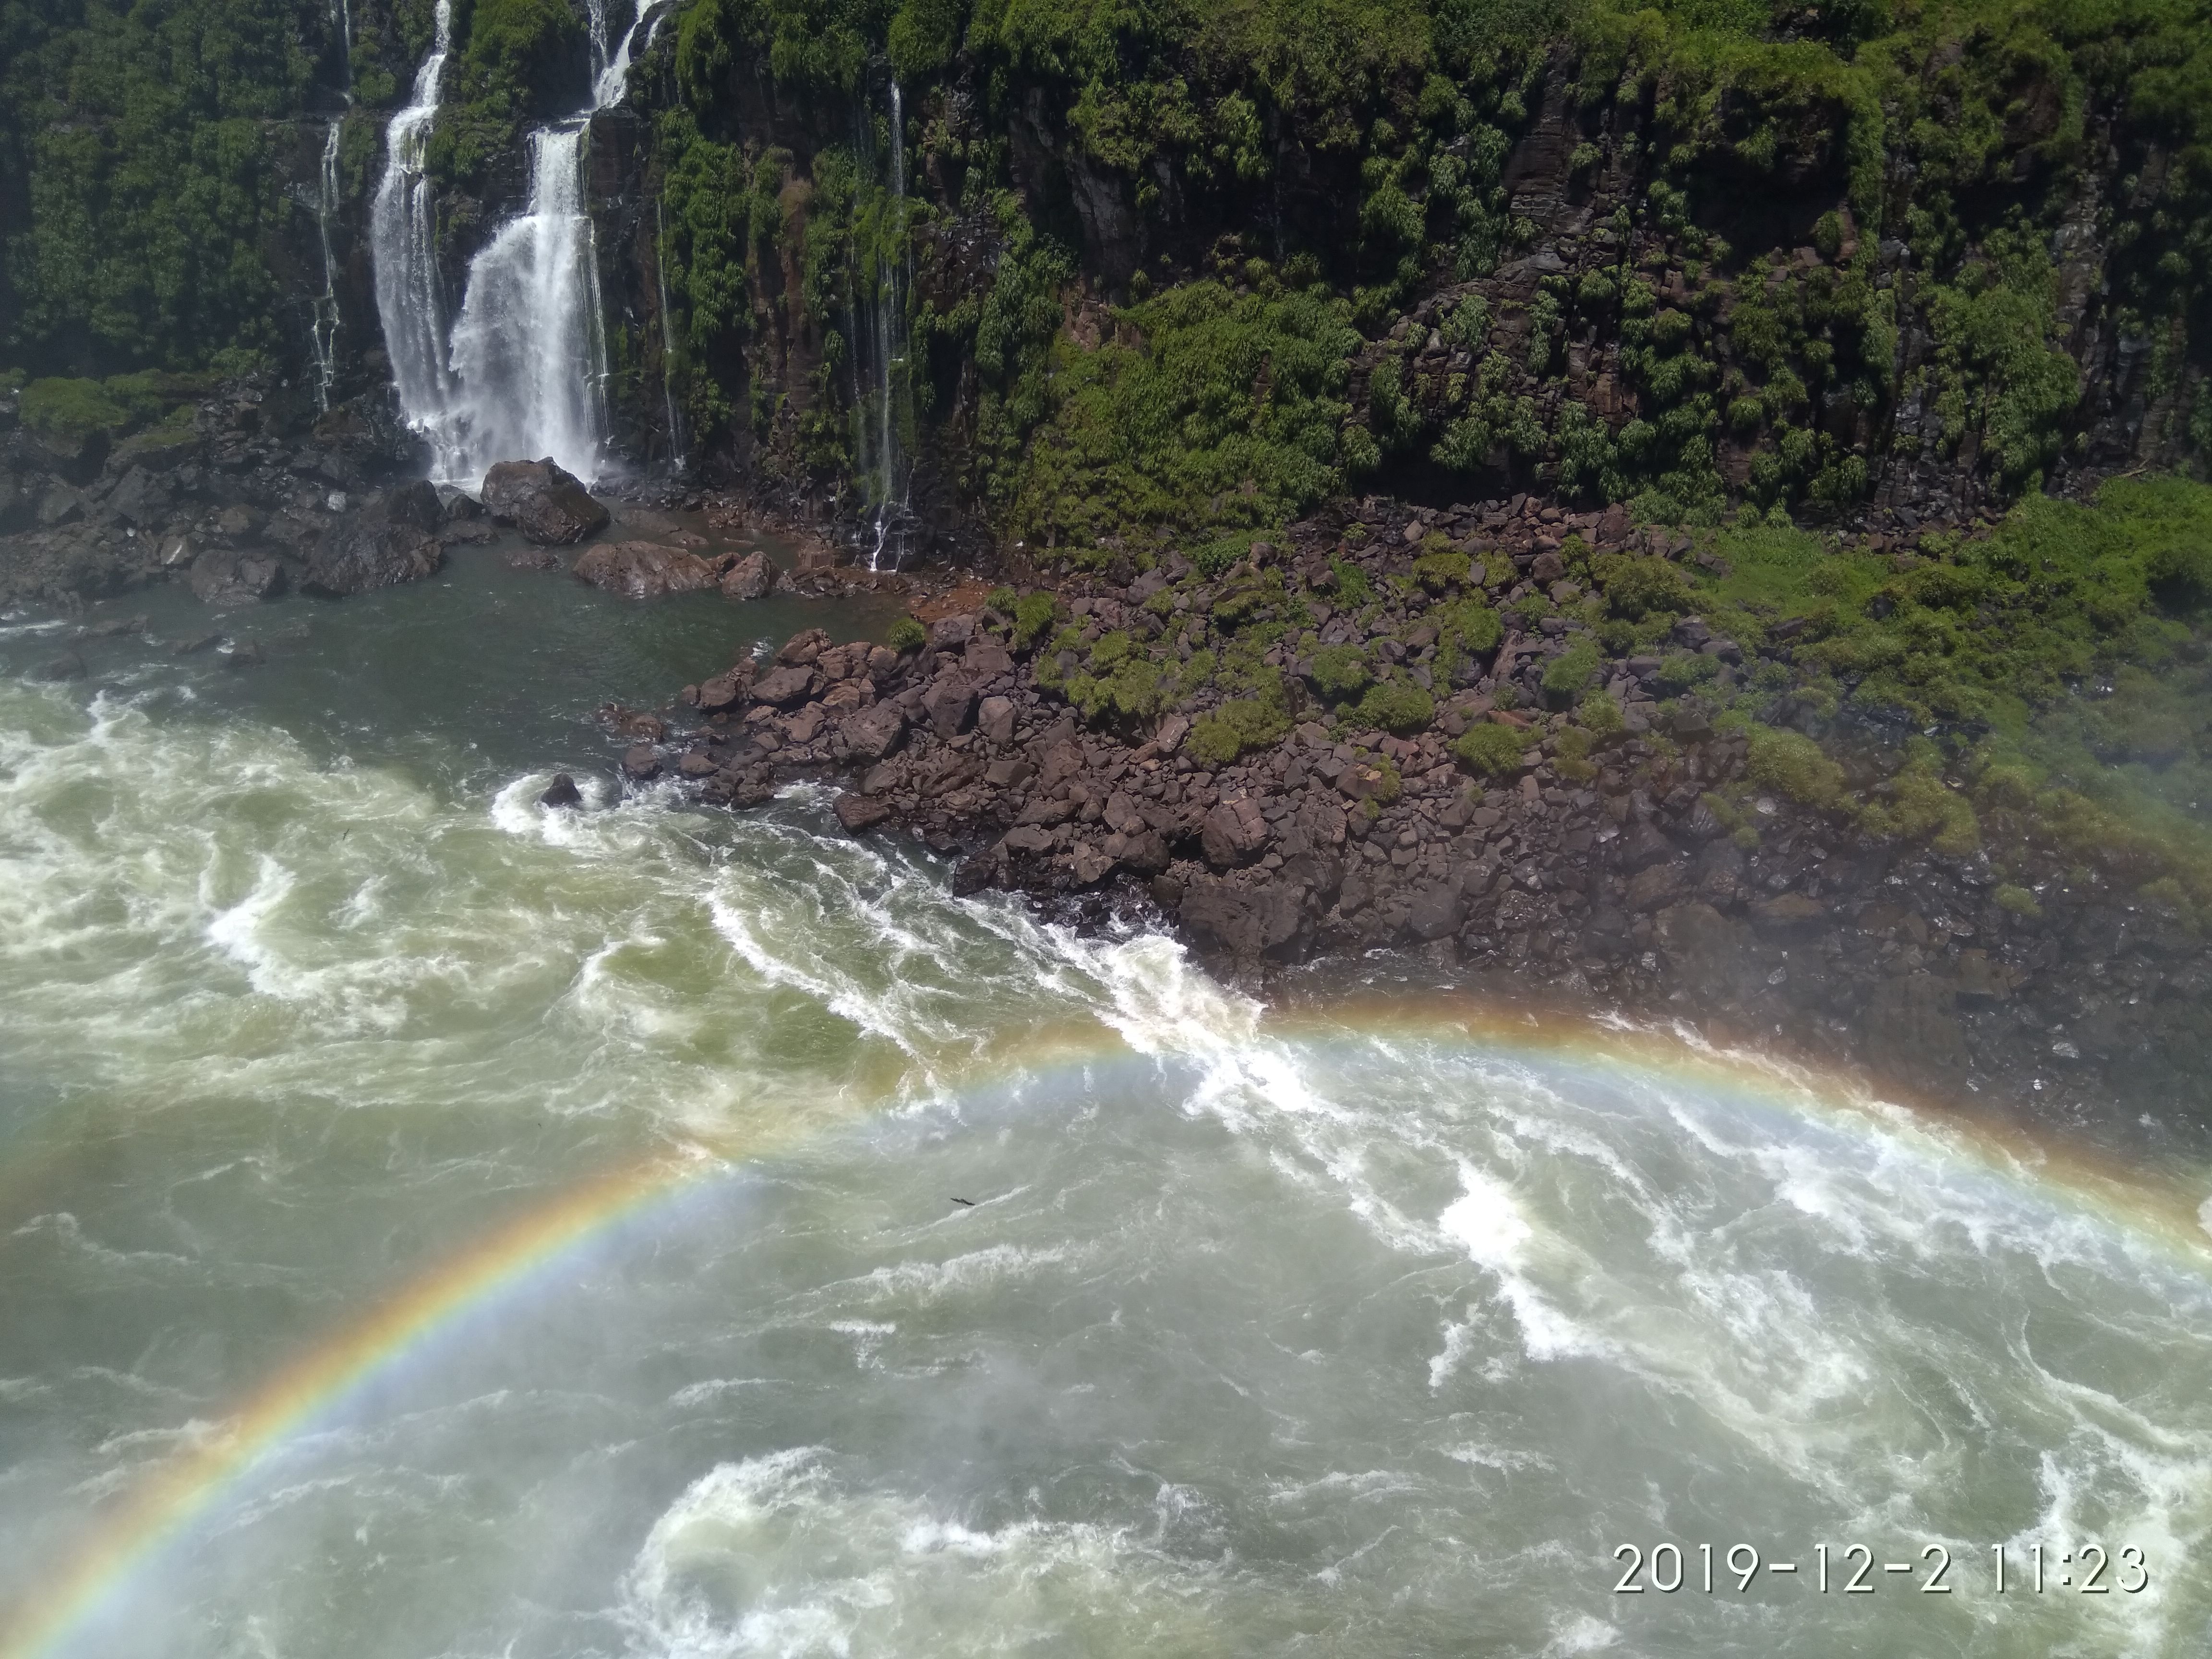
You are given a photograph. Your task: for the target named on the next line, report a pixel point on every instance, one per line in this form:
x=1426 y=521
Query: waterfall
x=404 y=241
x=613 y=81
x=667 y=342
x=529 y=353
x=524 y=372
x=323 y=336
x=888 y=484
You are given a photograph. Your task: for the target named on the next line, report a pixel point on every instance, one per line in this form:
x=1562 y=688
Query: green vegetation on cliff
x=2056 y=672
x=137 y=178
x=1248 y=255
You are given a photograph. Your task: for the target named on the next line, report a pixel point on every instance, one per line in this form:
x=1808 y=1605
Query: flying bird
x=965 y=1203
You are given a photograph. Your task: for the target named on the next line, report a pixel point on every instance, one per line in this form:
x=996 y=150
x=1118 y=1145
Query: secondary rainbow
x=322 y=1381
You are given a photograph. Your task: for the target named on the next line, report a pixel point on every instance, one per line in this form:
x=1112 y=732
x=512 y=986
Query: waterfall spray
x=403 y=237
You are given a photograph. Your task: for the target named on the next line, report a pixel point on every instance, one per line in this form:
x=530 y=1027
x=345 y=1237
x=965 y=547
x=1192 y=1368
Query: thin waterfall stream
x=323 y=335
x=402 y=232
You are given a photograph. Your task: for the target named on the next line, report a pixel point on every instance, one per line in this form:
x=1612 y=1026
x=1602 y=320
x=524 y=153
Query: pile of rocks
x=1617 y=883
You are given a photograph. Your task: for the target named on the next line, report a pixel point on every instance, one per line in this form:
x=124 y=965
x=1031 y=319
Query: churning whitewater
x=1257 y=1332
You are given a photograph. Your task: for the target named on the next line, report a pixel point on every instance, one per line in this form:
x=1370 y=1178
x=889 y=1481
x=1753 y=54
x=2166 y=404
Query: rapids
x=1367 y=1328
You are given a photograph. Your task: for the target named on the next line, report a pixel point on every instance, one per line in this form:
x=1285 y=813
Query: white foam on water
x=775 y=1555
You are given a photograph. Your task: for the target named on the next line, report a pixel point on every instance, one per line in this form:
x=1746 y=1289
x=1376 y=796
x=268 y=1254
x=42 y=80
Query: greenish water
x=1350 y=1333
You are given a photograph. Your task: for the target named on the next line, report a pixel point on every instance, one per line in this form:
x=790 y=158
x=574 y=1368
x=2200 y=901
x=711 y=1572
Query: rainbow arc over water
x=321 y=1383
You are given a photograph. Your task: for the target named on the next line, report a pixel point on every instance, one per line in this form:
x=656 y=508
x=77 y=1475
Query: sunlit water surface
x=1339 y=1332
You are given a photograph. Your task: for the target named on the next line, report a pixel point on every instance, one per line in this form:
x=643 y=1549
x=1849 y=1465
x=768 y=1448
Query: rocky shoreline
x=1602 y=868
x=1608 y=879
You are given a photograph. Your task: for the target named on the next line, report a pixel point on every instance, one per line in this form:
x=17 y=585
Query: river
x=433 y=1224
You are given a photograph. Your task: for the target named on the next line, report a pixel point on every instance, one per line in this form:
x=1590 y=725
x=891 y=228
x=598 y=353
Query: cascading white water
x=402 y=239
x=890 y=346
x=529 y=353
x=613 y=81
x=323 y=337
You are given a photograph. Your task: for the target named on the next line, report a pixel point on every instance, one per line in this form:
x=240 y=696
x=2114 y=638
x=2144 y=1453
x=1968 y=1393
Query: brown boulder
x=723 y=692
x=1910 y=1031
x=643 y=570
x=640 y=762
x=950 y=703
x=858 y=813
x=1143 y=851
x=1657 y=885
x=1233 y=832
x=994 y=718
x=800 y=650
x=1791 y=914
x=986 y=658
x=951 y=633
x=548 y=505
x=750 y=578
x=782 y=687
x=872 y=732
x=1438 y=911
x=1245 y=921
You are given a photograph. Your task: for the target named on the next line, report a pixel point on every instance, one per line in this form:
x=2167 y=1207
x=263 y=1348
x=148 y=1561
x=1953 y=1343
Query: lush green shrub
x=1570 y=672
x=1340 y=671
x=1492 y=748
x=1125 y=688
x=1034 y=617
x=1440 y=571
x=1572 y=759
x=1637 y=587
x=1352 y=587
x=1241 y=725
x=1397 y=706
x=1679 y=670
x=1217 y=557
x=1470 y=624
x=906 y=634
x=1599 y=714
x=1917 y=805
x=2018 y=900
x=1000 y=599
x=70 y=411
x=1791 y=765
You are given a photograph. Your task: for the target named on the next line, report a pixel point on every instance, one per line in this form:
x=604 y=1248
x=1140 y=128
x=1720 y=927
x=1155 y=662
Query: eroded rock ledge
x=1618 y=875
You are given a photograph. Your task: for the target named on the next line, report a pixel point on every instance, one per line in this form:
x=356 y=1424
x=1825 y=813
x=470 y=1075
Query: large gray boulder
x=548 y=505
x=222 y=577
x=391 y=540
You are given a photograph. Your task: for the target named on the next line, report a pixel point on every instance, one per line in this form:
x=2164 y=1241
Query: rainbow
x=324 y=1379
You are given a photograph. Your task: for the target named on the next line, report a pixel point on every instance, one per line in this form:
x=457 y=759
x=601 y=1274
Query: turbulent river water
x=430 y=1225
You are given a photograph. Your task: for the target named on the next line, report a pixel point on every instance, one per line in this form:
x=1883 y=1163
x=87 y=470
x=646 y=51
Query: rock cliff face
x=1614 y=325
x=947 y=280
